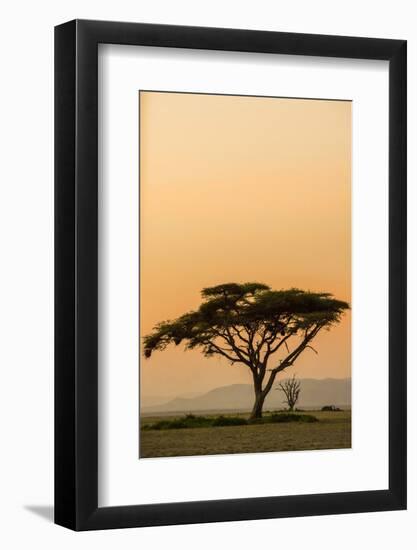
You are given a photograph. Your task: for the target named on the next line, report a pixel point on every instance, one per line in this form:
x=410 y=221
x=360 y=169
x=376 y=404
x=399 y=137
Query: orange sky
x=237 y=189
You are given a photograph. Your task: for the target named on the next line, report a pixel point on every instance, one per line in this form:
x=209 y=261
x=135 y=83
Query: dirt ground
x=333 y=431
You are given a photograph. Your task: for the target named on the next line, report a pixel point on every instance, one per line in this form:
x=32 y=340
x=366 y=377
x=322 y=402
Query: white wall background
x=26 y=274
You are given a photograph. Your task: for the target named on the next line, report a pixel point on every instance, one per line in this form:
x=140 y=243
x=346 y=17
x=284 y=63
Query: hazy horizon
x=220 y=385
x=315 y=393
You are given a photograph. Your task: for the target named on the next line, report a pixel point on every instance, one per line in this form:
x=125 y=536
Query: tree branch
x=241 y=353
x=220 y=351
x=289 y=360
x=270 y=351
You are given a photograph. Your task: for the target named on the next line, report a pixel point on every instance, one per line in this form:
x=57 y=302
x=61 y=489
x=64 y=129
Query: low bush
x=229 y=421
x=291 y=417
x=188 y=421
x=193 y=421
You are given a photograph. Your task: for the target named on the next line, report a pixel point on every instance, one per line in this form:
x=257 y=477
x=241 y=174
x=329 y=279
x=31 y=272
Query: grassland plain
x=333 y=431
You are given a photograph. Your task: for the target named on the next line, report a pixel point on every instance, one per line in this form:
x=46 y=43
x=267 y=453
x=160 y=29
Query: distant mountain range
x=239 y=397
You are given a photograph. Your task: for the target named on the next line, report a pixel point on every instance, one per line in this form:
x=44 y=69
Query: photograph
x=245 y=274
x=210 y=206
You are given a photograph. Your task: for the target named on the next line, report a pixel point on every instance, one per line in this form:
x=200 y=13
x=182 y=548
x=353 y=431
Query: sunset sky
x=237 y=189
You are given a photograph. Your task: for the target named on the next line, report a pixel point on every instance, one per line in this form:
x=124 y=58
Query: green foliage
x=192 y=421
x=290 y=417
x=166 y=425
x=277 y=418
x=229 y=421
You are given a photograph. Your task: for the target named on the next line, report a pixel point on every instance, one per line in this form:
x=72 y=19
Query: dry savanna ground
x=333 y=431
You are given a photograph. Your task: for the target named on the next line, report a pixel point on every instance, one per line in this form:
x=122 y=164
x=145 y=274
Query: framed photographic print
x=230 y=252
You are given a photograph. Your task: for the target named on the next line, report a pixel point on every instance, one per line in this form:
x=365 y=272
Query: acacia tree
x=291 y=389
x=249 y=324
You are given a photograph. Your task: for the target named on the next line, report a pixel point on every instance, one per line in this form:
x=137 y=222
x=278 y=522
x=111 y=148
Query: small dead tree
x=291 y=388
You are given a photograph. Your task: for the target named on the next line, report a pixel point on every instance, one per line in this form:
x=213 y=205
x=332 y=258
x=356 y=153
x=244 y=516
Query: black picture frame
x=76 y=272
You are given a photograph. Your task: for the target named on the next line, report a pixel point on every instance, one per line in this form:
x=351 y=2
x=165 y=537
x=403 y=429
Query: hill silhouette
x=314 y=393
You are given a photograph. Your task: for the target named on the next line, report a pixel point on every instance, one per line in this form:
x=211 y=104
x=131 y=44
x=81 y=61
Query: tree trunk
x=257 y=407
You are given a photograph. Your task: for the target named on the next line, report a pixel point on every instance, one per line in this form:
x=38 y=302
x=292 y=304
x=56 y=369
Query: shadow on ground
x=45 y=512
